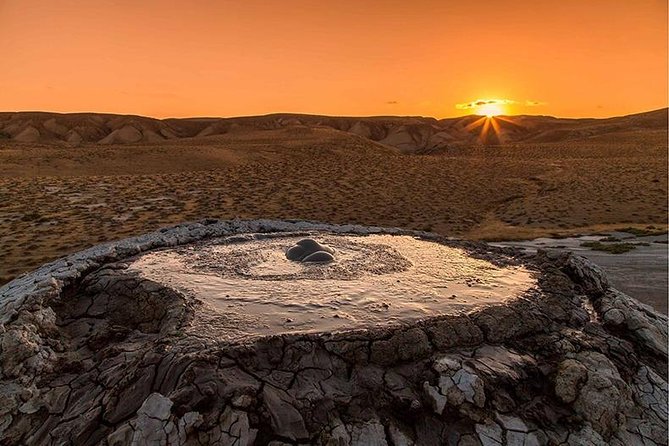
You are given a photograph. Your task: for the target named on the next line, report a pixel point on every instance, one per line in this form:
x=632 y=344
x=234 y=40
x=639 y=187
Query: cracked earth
x=93 y=351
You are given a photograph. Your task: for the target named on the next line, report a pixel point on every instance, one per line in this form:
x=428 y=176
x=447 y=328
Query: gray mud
x=375 y=280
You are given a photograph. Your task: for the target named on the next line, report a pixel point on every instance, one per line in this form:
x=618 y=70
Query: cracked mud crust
x=95 y=351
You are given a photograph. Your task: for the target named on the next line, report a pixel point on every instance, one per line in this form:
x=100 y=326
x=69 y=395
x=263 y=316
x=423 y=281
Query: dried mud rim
x=129 y=302
x=65 y=277
x=248 y=288
x=198 y=317
x=129 y=308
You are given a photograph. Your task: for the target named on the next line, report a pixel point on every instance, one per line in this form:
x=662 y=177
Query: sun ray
x=478 y=123
x=495 y=126
x=488 y=125
x=483 y=136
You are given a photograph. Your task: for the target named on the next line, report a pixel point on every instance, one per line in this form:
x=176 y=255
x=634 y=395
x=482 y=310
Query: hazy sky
x=344 y=57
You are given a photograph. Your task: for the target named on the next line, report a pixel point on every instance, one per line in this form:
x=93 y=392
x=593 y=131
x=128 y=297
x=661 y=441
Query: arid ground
x=59 y=195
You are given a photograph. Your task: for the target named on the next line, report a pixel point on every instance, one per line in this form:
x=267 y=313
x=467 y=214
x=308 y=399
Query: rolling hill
x=408 y=134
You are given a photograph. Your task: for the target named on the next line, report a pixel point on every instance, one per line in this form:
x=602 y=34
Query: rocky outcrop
x=91 y=353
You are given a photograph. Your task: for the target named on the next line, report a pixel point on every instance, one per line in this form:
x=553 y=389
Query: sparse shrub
x=31 y=216
x=612 y=248
x=648 y=231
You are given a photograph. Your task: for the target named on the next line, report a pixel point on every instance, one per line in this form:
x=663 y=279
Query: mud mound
x=97 y=350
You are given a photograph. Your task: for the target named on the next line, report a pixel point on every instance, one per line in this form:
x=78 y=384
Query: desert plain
x=69 y=181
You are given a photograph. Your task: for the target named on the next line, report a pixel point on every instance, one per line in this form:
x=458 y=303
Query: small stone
x=312 y=245
x=614 y=316
x=570 y=377
x=471 y=386
x=370 y=433
x=437 y=400
x=490 y=434
x=309 y=250
x=319 y=256
x=512 y=423
x=31 y=406
x=398 y=437
x=156 y=406
x=285 y=419
x=296 y=253
x=446 y=363
x=243 y=401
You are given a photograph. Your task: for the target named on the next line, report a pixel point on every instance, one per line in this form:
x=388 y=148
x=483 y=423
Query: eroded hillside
x=409 y=134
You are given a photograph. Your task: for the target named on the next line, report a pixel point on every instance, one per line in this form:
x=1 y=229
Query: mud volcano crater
x=208 y=333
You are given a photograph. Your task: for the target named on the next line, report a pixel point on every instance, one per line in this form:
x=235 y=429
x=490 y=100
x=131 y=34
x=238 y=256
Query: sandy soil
x=56 y=199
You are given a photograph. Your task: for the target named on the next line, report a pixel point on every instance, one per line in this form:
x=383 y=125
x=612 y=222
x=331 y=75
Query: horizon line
x=326 y=115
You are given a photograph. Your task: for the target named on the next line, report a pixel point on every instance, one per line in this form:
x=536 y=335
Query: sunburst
x=489 y=128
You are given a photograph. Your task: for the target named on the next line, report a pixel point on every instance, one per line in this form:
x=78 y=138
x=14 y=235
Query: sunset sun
x=490 y=110
x=492 y=107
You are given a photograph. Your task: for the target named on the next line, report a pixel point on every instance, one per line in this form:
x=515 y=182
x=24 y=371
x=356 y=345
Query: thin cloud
x=481 y=102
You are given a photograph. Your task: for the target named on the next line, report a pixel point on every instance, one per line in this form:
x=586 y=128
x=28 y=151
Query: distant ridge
x=409 y=134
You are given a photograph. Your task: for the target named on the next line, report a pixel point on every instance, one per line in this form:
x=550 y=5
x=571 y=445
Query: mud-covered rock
x=309 y=250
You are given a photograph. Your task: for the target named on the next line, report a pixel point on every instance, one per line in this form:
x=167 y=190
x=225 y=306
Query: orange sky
x=345 y=57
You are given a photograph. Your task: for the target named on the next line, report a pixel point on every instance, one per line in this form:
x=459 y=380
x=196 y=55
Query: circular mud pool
x=250 y=288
